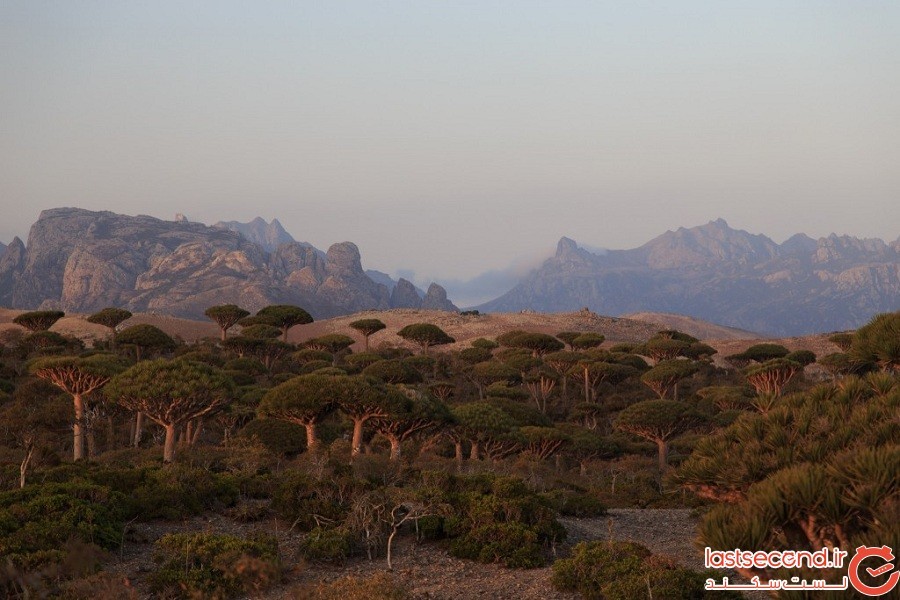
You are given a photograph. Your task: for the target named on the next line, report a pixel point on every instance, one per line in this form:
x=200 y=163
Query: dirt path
x=664 y=531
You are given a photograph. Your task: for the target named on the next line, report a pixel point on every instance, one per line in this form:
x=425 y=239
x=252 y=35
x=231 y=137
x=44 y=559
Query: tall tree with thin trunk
x=658 y=421
x=145 y=339
x=171 y=393
x=408 y=416
x=304 y=400
x=284 y=317
x=110 y=318
x=425 y=335
x=78 y=377
x=226 y=316
x=367 y=327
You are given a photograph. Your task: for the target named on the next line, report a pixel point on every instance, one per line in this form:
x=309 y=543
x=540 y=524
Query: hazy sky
x=451 y=138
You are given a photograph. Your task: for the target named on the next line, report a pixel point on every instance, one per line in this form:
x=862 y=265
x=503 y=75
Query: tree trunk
x=23 y=468
x=284 y=331
x=366 y=342
x=311 y=438
x=356 y=442
x=474 y=453
x=111 y=442
x=390 y=542
x=587 y=387
x=188 y=434
x=78 y=428
x=663 y=447
x=197 y=431
x=91 y=441
x=457 y=446
x=395 y=447
x=138 y=429
x=169 y=446
x=224 y=332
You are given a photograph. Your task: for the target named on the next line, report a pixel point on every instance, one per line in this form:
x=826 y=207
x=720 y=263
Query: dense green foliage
x=478 y=449
x=214 y=565
x=625 y=571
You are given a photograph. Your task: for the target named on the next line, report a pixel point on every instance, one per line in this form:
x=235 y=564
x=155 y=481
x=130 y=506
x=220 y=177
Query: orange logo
x=885 y=554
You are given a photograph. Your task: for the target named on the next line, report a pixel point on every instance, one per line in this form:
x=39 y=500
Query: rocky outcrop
x=82 y=261
x=720 y=274
x=405 y=295
x=346 y=286
x=266 y=235
x=12 y=259
x=436 y=299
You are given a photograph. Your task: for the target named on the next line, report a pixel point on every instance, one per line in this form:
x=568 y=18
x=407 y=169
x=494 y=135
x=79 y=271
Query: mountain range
x=81 y=261
x=727 y=276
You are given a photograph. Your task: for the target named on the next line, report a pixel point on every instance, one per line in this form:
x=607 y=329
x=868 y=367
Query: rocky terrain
x=426 y=570
x=82 y=261
x=723 y=275
x=267 y=235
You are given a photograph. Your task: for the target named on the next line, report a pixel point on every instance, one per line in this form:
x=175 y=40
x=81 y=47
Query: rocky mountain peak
x=405 y=295
x=343 y=259
x=267 y=235
x=565 y=247
x=436 y=299
x=714 y=242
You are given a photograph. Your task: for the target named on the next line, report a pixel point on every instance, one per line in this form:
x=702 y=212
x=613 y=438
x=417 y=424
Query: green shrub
x=38 y=520
x=279 y=437
x=241 y=378
x=498 y=519
x=178 y=491
x=299 y=498
x=211 y=565
x=327 y=545
x=513 y=545
x=614 y=570
x=248 y=365
x=571 y=503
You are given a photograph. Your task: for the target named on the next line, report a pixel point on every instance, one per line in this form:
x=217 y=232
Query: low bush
x=332 y=545
x=572 y=503
x=513 y=545
x=207 y=565
x=498 y=519
x=170 y=492
x=380 y=586
x=279 y=437
x=37 y=522
x=613 y=570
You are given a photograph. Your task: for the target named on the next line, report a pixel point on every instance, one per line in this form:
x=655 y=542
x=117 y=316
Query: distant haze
x=448 y=139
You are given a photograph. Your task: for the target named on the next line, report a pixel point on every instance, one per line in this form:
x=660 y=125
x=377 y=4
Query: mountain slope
x=81 y=261
x=723 y=275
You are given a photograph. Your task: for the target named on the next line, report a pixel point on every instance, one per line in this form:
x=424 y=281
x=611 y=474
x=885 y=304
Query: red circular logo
x=885 y=554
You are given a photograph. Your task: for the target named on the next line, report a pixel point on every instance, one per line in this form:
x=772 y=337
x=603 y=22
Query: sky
x=450 y=139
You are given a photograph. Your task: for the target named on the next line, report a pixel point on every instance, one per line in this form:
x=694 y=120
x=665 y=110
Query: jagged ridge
x=81 y=261
x=720 y=274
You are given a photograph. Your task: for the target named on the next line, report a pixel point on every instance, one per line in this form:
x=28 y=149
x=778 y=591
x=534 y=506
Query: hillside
x=463 y=328
x=695 y=327
x=722 y=275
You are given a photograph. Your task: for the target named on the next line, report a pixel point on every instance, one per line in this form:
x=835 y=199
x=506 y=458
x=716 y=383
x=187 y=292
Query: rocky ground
x=426 y=570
